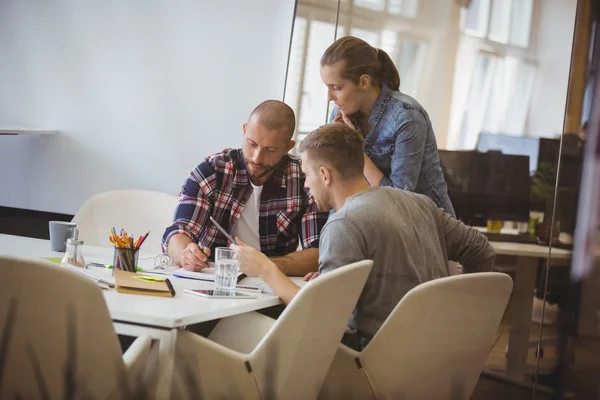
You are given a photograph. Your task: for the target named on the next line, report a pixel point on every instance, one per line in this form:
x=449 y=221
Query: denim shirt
x=402 y=145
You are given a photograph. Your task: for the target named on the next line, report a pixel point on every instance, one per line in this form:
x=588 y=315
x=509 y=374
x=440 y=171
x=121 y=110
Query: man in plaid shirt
x=256 y=193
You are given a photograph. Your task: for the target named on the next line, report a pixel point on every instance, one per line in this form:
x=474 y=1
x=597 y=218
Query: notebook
x=132 y=283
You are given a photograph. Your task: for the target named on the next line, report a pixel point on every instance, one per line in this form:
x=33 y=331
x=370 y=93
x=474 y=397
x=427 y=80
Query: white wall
x=140 y=90
x=553 y=41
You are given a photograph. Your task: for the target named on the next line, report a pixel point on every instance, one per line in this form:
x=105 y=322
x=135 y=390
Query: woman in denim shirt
x=400 y=146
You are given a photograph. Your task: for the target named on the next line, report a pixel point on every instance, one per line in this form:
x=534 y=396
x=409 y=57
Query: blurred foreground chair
x=252 y=356
x=57 y=338
x=432 y=346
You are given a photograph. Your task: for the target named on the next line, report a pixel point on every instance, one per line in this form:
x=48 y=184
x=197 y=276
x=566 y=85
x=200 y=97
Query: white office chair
x=56 y=337
x=136 y=211
x=432 y=346
x=252 y=356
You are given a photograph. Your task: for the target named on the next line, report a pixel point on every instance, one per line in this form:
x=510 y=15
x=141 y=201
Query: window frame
x=484 y=31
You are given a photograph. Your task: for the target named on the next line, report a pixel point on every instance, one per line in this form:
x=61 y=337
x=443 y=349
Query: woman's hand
x=371 y=172
x=343 y=118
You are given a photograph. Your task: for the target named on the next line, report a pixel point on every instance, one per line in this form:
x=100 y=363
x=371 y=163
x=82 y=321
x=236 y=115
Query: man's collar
x=241 y=175
x=278 y=177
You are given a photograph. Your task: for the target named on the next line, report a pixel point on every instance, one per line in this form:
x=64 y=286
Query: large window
x=502 y=21
x=406 y=8
x=496 y=101
x=494 y=64
x=495 y=71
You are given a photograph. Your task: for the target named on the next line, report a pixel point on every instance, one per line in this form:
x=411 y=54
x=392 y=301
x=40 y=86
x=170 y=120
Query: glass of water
x=227 y=267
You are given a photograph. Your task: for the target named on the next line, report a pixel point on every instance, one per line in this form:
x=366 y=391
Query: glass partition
x=568 y=340
x=494 y=77
x=314 y=30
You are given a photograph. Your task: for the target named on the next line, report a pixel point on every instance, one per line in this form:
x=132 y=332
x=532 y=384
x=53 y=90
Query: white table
x=529 y=250
x=527 y=256
x=137 y=315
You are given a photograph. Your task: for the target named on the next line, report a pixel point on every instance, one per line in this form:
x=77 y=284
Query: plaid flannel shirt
x=220 y=187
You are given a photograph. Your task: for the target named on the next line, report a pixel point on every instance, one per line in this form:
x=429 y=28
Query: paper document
x=207 y=274
x=95 y=277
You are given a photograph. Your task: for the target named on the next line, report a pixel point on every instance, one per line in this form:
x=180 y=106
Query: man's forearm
x=176 y=246
x=298 y=263
x=483 y=263
x=467 y=245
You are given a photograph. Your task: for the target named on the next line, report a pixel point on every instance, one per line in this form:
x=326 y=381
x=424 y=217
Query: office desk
x=137 y=315
x=527 y=256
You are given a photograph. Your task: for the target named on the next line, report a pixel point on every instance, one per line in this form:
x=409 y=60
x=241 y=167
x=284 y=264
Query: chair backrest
x=56 y=335
x=136 y=211
x=435 y=342
x=292 y=360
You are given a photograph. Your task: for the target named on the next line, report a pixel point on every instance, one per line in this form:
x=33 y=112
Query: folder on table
x=133 y=283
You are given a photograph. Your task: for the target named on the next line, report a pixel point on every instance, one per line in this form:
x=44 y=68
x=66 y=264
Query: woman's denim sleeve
x=408 y=154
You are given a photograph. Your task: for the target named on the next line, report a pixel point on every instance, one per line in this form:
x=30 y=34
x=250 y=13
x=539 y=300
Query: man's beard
x=265 y=170
x=323 y=203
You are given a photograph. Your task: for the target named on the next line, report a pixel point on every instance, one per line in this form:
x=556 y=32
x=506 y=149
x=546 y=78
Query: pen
x=253 y=288
x=223 y=231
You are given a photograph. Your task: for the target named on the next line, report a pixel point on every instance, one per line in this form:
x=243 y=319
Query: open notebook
x=132 y=283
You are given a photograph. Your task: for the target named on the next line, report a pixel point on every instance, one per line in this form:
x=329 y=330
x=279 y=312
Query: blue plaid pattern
x=220 y=187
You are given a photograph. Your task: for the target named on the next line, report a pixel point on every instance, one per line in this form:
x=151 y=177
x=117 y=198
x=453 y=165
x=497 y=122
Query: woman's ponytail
x=388 y=74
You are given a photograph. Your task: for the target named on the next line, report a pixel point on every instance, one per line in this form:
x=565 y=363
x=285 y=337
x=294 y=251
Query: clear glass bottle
x=74 y=254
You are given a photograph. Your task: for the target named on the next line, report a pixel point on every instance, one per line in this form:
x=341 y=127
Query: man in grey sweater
x=407 y=236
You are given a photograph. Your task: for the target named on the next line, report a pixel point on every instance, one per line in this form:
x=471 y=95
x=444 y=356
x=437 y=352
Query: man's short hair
x=275 y=115
x=338 y=147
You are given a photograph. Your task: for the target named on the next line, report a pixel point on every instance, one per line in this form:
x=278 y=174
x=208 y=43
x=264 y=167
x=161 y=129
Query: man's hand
x=194 y=259
x=252 y=261
x=255 y=263
x=310 y=276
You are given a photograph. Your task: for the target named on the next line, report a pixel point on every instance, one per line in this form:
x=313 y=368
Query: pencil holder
x=125 y=259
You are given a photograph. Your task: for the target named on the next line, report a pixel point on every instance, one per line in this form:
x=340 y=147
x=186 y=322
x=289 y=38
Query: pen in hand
x=205 y=251
x=195 y=257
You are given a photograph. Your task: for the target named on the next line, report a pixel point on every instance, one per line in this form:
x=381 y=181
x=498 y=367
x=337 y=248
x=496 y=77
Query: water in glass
x=227 y=272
